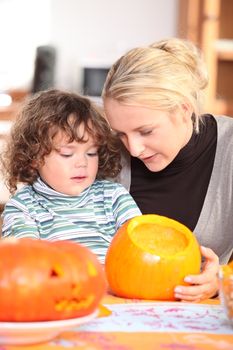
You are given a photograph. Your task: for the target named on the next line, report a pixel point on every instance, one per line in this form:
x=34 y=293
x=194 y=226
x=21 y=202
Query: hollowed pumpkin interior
x=157 y=239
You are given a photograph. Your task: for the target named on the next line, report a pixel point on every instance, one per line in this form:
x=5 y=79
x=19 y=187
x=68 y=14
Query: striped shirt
x=91 y=218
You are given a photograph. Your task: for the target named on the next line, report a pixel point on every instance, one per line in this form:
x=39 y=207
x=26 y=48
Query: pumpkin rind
x=134 y=272
x=42 y=281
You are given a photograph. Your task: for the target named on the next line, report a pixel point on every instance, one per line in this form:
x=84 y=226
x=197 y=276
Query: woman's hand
x=204 y=285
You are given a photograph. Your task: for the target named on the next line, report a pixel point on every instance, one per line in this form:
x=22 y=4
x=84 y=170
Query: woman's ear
x=187 y=110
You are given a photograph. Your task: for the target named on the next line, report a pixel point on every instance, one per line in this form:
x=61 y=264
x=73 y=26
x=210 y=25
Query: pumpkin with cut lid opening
x=149 y=256
x=44 y=281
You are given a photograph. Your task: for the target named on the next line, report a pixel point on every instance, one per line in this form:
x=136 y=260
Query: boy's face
x=71 y=167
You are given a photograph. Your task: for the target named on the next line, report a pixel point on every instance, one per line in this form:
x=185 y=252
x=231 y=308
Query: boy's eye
x=92 y=154
x=66 y=155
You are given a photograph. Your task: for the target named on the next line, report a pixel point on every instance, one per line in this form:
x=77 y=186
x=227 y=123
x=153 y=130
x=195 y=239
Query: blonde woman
x=179 y=162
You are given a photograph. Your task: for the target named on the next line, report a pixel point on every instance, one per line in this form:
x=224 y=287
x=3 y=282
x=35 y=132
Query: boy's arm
x=18 y=224
x=124 y=206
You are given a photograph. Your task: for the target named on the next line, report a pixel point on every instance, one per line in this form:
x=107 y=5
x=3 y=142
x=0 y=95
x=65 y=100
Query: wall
x=24 y=25
x=96 y=32
x=85 y=32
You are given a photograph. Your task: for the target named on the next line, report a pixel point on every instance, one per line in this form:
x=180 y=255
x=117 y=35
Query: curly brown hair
x=42 y=117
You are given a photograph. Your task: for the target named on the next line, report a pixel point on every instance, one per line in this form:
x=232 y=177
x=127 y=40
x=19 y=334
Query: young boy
x=62 y=149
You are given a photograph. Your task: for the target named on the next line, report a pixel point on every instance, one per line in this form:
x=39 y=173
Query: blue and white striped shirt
x=91 y=218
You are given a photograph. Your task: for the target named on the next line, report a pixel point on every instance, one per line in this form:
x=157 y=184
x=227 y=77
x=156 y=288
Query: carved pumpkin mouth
x=74 y=304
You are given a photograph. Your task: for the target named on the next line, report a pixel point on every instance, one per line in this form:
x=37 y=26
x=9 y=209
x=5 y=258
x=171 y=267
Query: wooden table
x=146 y=326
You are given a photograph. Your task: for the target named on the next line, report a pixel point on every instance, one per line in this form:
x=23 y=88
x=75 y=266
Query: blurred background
x=90 y=33
x=70 y=44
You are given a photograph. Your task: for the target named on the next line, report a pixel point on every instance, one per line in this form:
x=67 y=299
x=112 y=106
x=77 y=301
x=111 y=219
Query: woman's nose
x=135 y=147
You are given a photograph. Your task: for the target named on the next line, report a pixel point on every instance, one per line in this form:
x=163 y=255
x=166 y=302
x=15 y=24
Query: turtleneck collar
x=191 y=152
x=48 y=193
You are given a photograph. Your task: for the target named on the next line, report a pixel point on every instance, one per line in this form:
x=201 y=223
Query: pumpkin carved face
x=149 y=256
x=42 y=281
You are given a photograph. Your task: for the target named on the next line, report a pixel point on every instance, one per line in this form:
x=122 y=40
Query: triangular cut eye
x=54 y=273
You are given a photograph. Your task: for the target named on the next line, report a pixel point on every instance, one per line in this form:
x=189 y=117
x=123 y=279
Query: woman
x=152 y=98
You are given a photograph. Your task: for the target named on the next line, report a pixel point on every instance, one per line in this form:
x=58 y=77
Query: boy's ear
x=35 y=164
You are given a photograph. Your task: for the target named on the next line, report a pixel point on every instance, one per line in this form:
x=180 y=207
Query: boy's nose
x=81 y=161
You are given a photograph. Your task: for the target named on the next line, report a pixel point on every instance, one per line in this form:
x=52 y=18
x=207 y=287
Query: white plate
x=37 y=332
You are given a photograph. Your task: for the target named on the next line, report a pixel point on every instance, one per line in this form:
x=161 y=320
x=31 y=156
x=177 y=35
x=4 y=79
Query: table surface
x=141 y=325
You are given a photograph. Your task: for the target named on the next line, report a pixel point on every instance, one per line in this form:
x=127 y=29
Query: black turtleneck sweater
x=179 y=190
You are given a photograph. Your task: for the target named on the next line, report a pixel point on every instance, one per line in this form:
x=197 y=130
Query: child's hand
x=204 y=285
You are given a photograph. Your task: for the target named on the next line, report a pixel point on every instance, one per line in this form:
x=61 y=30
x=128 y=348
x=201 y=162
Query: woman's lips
x=146 y=159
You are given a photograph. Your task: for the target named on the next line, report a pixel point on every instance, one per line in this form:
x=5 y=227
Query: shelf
x=225 y=55
x=212 y=30
x=224 y=49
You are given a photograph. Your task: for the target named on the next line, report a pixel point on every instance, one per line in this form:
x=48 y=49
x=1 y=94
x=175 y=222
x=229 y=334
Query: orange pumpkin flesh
x=226 y=289
x=149 y=256
x=42 y=281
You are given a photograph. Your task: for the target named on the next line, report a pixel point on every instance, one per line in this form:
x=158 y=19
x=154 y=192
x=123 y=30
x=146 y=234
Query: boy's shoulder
x=19 y=202
x=108 y=185
x=21 y=194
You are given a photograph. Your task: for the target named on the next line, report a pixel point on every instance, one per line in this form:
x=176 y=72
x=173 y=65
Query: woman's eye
x=146 y=132
x=117 y=133
x=120 y=135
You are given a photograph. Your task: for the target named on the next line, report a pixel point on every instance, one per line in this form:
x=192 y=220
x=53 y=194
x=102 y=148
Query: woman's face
x=153 y=136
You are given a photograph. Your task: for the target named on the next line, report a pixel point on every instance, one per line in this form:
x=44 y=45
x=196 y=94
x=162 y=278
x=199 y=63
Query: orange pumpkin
x=226 y=289
x=149 y=256
x=42 y=281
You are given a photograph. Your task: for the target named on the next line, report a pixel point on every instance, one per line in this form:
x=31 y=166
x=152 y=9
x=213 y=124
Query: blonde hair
x=163 y=75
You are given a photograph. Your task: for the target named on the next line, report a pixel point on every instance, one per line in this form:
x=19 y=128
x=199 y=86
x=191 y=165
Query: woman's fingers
x=211 y=259
x=203 y=285
x=195 y=292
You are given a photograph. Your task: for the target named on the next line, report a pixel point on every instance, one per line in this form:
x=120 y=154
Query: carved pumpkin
x=149 y=256
x=42 y=281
